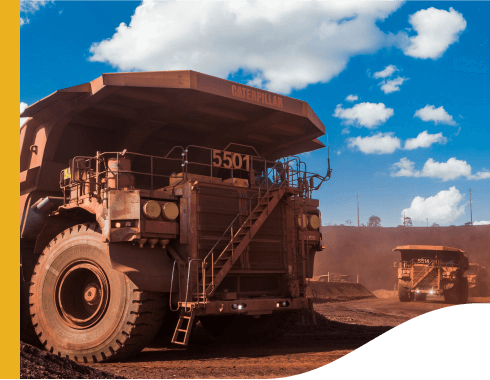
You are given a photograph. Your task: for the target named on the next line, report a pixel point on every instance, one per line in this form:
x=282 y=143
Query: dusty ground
x=349 y=325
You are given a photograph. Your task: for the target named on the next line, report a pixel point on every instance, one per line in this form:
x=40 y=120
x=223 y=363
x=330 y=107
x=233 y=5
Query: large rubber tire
x=83 y=309
x=451 y=296
x=247 y=329
x=403 y=294
x=166 y=331
x=27 y=332
x=463 y=291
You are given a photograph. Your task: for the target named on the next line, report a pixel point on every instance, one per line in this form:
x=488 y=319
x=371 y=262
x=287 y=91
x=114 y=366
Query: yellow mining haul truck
x=432 y=270
x=151 y=200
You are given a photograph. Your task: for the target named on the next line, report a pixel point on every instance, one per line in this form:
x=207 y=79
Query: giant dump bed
x=151 y=112
x=427 y=248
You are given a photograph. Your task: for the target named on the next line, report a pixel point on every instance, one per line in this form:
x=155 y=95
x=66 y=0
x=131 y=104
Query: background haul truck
x=432 y=270
x=151 y=199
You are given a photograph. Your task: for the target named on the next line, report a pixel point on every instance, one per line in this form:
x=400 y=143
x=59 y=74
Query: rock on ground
x=37 y=364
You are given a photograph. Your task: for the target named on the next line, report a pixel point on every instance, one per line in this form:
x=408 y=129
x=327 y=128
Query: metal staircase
x=425 y=276
x=214 y=268
x=223 y=262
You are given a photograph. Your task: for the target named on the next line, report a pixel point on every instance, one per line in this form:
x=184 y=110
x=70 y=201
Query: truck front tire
x=83 y=309
x=403 y=293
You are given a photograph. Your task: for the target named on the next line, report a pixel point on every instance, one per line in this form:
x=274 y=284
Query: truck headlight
x=313 y=222
x=151 y=209
x=170 y=211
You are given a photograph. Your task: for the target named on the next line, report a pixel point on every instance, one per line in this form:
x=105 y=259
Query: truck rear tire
x=83 y=309
x=403 y=294
x=247 y=329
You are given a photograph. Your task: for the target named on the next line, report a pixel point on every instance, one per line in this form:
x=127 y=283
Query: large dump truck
x=152 y=200
x=432 y=270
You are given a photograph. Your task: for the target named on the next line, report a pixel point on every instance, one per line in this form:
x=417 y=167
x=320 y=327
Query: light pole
x=471 y=210
x=358 y=210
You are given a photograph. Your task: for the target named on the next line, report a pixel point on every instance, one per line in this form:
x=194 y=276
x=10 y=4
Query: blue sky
x=415 y=139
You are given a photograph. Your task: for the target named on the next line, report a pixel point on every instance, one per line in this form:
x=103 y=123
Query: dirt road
x=349 y=325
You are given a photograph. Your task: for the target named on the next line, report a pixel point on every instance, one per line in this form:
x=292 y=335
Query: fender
x=149 y=268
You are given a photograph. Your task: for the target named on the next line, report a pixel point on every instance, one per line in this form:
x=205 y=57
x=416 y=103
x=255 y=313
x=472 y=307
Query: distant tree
x=407 y=221
x=348 y=222
x=467 y=224
x=435 y=225
x=374 y=221
x=363 y=225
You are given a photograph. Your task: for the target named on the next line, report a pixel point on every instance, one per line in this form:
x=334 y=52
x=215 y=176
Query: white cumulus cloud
x=381 y=143
x=280 y=46
x=436 y=30
x=351 y=98
x=437 y=115
x=386 y=72
x=369 y=115
x=392 y=85
x=446 y=171
x=481 y=223
x=23 y=106
x=424 y=140
x=443 y=208
x=30 y=6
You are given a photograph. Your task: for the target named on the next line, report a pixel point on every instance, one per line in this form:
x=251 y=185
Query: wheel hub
x=82 y=294
x=92 y=294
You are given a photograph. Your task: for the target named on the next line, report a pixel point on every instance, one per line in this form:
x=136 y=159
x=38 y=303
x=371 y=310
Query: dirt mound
x=321 y=291
x=382 y=293
x=37 y=364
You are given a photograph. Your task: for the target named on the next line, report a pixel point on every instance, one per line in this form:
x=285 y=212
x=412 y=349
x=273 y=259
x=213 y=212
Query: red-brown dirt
x=341 y=328
x=367 y=251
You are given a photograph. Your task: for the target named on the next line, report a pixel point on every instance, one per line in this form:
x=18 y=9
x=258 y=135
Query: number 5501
x=229 y=160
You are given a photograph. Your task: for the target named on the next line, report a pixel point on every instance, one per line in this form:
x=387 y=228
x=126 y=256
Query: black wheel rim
x=82 y=294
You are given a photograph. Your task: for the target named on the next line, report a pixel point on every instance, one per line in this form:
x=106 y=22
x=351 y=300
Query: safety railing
x=91 y=176
x=430 y=263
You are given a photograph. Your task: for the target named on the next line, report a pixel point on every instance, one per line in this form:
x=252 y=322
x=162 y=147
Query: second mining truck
x=432 y=270
x=151 y=200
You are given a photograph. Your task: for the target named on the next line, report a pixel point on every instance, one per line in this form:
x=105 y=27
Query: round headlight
x=302 y=221
x=170 y=211
x=151 y=209
x=314 y=222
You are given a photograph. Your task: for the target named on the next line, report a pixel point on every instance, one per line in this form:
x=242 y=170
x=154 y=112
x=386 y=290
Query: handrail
x=422 y=274
x=244 y=207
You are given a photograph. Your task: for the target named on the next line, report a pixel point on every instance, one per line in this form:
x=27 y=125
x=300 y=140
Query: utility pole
x=358 y=210
x=427 y=222
x=471 y=210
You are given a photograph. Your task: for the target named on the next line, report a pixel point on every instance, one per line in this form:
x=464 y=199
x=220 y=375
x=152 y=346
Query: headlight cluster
x=168 y=210
x=311 y=221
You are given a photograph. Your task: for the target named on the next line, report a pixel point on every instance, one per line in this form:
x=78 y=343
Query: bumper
x=250 y=306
